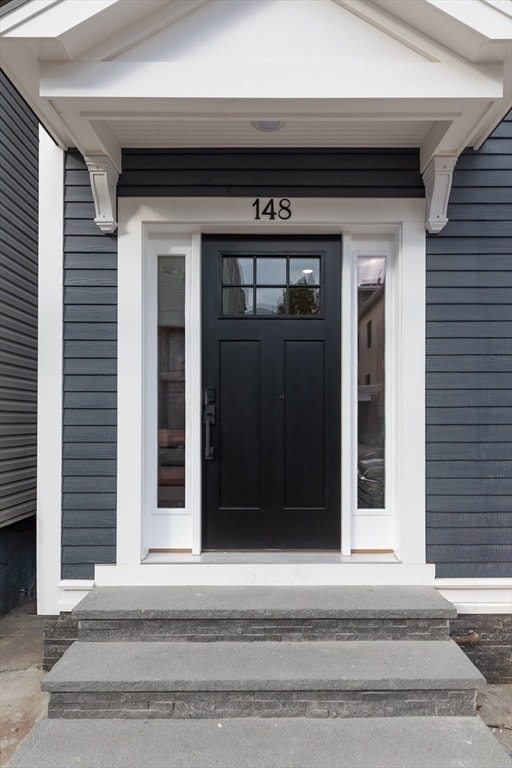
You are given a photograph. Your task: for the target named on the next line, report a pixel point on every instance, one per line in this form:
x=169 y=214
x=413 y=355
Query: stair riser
x=247 y=630
x=235 y=704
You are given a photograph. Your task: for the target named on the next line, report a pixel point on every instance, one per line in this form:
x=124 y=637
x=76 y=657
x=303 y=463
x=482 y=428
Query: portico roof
x=106 y=74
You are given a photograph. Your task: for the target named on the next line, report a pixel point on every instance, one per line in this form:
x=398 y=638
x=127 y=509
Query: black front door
x=271 y=378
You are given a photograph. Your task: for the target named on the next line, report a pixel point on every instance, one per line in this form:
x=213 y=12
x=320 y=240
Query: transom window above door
x=271 y=286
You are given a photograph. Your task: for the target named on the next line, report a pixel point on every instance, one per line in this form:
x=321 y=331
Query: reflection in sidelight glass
x=370 y=380
x=171 y=381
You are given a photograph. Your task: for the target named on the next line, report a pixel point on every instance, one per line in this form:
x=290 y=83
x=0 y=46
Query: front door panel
x=271 y=376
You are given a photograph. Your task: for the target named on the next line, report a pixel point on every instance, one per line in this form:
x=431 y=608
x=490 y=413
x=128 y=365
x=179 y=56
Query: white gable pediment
x=282 y=31
x=432 y=74
x=337 y=72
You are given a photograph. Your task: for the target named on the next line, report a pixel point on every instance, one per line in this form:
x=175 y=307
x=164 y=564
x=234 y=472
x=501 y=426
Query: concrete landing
x=422 y=742
x=232 y=666
x=268 y=602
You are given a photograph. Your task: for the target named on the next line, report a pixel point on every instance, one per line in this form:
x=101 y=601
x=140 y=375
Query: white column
x=50 y=363
x=411 y=383
x=130 y=371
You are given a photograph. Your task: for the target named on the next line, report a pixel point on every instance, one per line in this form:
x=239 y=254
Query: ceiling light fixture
x=268 y=126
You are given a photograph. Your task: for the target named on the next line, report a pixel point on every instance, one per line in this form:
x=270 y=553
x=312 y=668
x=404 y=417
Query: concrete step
x=284 y=679
x=400 y=742
x=263 y=613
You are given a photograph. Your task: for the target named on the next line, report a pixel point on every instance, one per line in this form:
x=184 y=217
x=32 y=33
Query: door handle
x=209 y=413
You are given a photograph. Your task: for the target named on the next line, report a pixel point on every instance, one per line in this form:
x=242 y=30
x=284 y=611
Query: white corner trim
x=103 y=175
x=477 y=595
x=437 y=178
x=49 y=390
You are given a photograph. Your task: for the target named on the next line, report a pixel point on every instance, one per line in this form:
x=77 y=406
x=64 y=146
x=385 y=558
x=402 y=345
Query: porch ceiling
x=241 y=133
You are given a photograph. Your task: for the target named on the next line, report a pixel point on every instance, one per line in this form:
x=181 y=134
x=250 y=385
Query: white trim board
x=104 y=74
x=50 y=367
x=477 y=595
x=148 y=226
x=469 y=596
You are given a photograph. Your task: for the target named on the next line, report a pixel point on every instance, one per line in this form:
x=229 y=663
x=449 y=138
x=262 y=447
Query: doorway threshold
x=274 y=557
x=265 y=569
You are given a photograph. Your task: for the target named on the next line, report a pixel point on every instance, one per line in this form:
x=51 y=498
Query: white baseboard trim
x=265 y=574
x=477 y=595
x=469 y=596
x=71 y=591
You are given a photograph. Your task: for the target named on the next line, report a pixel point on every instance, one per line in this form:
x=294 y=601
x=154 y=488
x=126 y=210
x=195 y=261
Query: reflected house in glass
x=371 y=382
x=171 y=381
x=237 y=272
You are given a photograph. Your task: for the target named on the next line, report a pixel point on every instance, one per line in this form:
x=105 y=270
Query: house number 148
x=270 y=209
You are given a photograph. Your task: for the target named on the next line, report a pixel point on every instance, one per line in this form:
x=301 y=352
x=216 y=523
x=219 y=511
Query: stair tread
x=322 y=665
x=259 y=601
x=401 y=742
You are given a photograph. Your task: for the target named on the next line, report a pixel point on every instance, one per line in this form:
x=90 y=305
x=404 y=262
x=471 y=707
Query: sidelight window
x=171 y=381
x=371 y=273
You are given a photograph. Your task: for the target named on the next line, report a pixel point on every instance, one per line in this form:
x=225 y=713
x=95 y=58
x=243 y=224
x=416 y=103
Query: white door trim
x=357 y=221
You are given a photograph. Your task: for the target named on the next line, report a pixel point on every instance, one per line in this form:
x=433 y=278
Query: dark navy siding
x=19 y=159
x=469 y=369
x=260 y=172
x=468 y=344
x=90 y=382
x=90 y=331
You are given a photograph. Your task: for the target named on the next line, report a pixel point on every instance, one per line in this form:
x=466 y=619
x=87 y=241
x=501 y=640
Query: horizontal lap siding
x=274 y=172
x=19 y=158
x=469 y=369
x=90 y=295
x=90 y=382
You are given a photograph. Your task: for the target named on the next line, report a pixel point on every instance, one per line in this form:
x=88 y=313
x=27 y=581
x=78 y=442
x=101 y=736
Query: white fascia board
x=22 y=11
x=157 y=14
x=311 y=80
x=51 y=18
x=19 y=61
x=473 y=29
x=116 y=18
x=490 y=21
x=505 y=6
x=93 y=29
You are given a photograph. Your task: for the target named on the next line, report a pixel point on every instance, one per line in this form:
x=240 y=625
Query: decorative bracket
x=103 y=175
x=437 y=178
